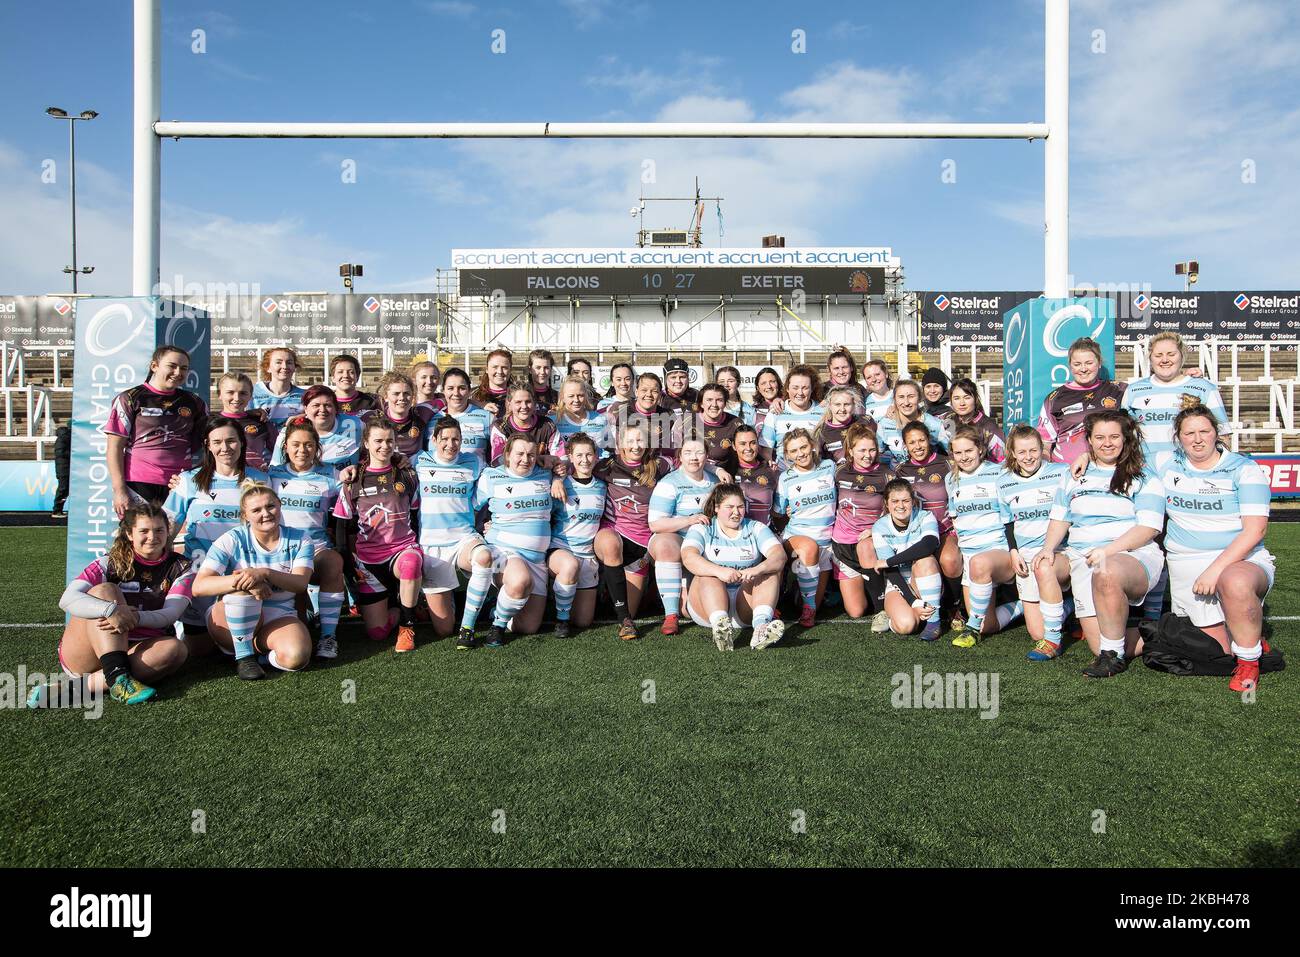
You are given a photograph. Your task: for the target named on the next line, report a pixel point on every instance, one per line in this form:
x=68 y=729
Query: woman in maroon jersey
x=345 y=373
x=841 y=408
x=860 y=482
x=623 y=542
x=427 y=378
x=523 y=418
x=494 y=382
x=121 y=611
x=647 y=409
x=235 y=391
x=842 y=370
x=757 y=478
x=716 y=427
x=1061 y=422
x=927 y=470
x=967 y=410
x=397 y=407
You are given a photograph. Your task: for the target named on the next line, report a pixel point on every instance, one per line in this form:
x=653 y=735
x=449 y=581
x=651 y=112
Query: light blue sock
x=331 y=606
x=931 y=589
x=1053 y=616
x=762 y=615
x=564 y=595
x=507 y=608
x=1008 y=613
x=668 y=576
x=243 y=612
x=807 y=579
x=980 y=596
x=480 y=580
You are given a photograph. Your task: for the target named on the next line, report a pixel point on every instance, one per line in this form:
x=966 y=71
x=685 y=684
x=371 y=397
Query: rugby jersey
x=475 y=430
x=719 y=439
x=808 y=498
x=356 y=403
x=206 y=515
x=576 y=520
x=1060 y=422
x=678 y=495
x=381 y=503
x=594 y=425
x=747 y=548
x=307 y=500
x=627 y=499
x=521 y=507
x=889 y=539
x=788 y=419
x=994 y=439
x=861 y=500
x=877 y=406
x=338 y=449
x=1155 y=404
x=541 y=430
x=743 y=411
x=889 y=434
x=446 y=496
x=928 y=479
x=1098 y=517
x=481 y=397
x=279 y=408
x=758 y=482
x=829 y=438
x=238 y=549
x=412 y=433
x=973 y=505
x=1026 y=501
x=163 y=431
x=1205 y=506
x=148 y=588
x=663 y=439
x=258 y=439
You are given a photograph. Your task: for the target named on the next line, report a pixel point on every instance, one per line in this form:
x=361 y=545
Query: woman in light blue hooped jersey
x=972 y=485
x=574 y=524
x=574 y=415
x=906 y=542
x=806 y=495
x=905 y=410
x=1026 y=492
x=518 y=494
x=729 y=378
x=338 y=434
x=736 y=565
x=205 y=503
x=448 y=537
x=1155 y=401
x=1217 y=503
x=1111 y=515
x=799 y=410
x=256 y=570
x=475 y=422
x=308 y=491
x=677 y=504
x=275 y=391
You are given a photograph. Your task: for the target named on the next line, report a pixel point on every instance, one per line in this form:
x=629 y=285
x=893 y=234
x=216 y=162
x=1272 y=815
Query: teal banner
x=27 y=487
x=115 y=340
x=1036 y=337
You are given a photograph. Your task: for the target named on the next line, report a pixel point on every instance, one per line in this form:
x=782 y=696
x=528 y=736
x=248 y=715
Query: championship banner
x=1283 y=473
x=1036 y=346
x=115 y=340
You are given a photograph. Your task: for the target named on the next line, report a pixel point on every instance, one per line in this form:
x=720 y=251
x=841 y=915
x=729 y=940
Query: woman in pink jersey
x=345 y=374
x=1061 y=421
x=623 y=542
x=427 y=378
x=381 y=509
x=121 y=611
x=860 y=482
x=524 y=419
x=964 y=400
x=927 y=470
x=235 y=391
x=153 y=431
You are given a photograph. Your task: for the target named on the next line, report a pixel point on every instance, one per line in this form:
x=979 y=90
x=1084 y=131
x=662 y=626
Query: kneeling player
x=906 y=540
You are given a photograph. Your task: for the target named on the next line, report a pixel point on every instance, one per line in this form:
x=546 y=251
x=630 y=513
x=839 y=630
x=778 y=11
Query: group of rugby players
x=908 y=494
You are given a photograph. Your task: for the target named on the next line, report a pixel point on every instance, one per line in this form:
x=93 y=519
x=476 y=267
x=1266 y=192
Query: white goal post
x=149 y=130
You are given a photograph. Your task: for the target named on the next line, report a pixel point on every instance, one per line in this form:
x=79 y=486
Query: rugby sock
x=564 y=595
x=1067 y=605
x=1112 y=644
x=874 y=584
x=115 y=663
x=331 y=606
x=931 y=589
x=313 y=596
x=616 y=585
x=1053 y=616
x=718 y=617
x=1008 y=613
x=668 y=576
x=406 y=616
x=1155 y=600
x=507 y=607
x=242 y=614
x=480 y=580
x=952 y=596
x=1242 y=653
x=980 y=596
x=762 y=615
x=807 y=579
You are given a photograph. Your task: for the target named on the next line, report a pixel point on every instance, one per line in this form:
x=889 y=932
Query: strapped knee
x=410 y=565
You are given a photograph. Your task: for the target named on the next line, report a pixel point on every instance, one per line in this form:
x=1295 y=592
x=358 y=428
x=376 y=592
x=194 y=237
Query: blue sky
x=1161 y=123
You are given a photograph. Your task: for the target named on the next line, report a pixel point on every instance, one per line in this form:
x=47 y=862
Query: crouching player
x=737 y=566
x=447 y=537
x=1219 y=570
x=906 y=540
x=381 y=506
x=256 y=570
x=123 y=607
x=574 y=524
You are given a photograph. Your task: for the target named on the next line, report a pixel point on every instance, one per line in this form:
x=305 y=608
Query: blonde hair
x=251 y=488
x=239 y=377
x=1167 y=336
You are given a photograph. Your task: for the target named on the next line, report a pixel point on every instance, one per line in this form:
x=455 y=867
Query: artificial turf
x=559 y=752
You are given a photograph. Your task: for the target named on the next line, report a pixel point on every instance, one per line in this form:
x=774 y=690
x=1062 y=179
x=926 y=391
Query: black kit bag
x=1176 y=646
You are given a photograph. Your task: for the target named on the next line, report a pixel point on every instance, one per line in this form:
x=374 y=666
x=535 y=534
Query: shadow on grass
x=1283 y=853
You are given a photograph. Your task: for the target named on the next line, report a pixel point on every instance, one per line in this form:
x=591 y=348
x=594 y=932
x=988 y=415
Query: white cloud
x=451 y=8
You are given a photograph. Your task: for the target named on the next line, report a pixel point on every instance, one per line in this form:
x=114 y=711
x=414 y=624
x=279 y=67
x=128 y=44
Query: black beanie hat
x=935 y=375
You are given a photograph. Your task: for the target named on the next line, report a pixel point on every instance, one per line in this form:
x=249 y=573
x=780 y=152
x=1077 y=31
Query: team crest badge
x=1189 y=400
x=413 y=432
x=1108 y=403
x=250 y=429
x=186 y=413
x=762 y=480
x=401 y=487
